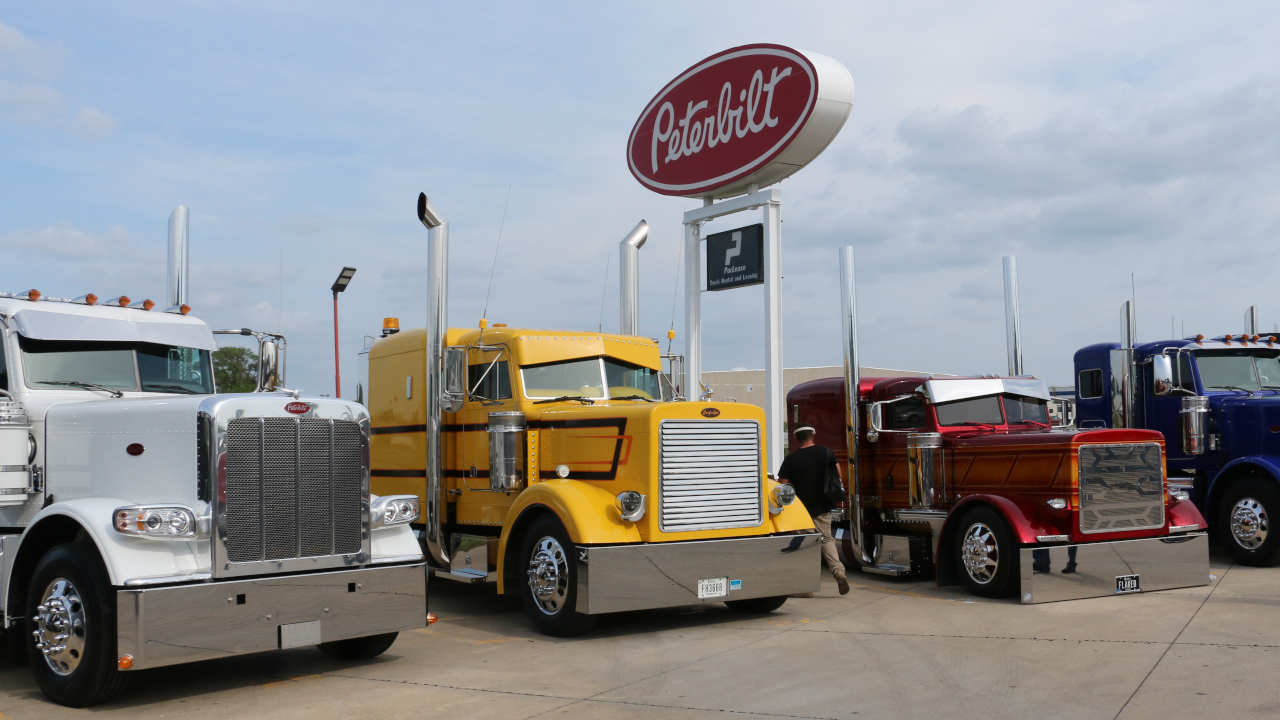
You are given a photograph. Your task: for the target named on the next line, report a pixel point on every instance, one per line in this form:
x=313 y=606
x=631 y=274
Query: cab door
x=488 y=390
x=900 y=418
x=1162 y=412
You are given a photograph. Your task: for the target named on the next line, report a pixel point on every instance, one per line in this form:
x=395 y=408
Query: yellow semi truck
x=559 y=466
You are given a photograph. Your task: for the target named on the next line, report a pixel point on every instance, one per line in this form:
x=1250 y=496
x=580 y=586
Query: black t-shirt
x=806 y=469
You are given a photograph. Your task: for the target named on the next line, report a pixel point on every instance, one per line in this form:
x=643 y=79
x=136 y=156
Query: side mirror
x=1161 y=375
x=268 y=365
x=875 y=421
x=455 y=378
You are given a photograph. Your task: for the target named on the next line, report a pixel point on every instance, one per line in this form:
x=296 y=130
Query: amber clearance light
x=33 y=295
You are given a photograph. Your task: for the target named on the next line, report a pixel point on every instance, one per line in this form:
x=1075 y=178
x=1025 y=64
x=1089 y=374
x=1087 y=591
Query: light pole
x=344 y=278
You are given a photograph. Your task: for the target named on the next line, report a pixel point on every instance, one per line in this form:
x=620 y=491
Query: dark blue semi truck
x=1217 y=402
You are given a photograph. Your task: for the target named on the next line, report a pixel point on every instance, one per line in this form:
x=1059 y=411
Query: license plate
x=1127 y=584
x=713 y=588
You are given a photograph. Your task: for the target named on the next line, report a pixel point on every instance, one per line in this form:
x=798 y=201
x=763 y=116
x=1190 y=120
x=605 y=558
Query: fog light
x=562 y=471
x=125 y=662
x=161 y=522
x=1179 y=495
x=631 y=505
x=388 y=510
x=781 y=496
x=1057 y=504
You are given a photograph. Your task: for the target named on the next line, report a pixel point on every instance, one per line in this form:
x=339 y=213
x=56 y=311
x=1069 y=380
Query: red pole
x=337 y=358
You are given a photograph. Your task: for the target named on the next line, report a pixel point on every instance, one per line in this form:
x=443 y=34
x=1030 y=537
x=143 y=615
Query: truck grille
x=710 y=474
x=293 y=488
x=1121 y=488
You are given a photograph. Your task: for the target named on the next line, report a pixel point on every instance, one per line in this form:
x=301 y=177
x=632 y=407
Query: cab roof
x=534 y=347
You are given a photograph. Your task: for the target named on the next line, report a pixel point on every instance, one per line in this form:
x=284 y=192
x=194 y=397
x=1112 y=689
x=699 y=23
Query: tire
x=359 y=648
x=1244 y=521
x=986 y=556
x=73 y=588
x=550 y=587
x=756 y=605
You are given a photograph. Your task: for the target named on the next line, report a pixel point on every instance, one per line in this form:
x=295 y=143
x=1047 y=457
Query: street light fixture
x=339 y=285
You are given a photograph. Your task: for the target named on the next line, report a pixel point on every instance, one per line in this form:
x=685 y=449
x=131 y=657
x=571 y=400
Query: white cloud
x=31 y=103
x=93 y=124
x=27 y=104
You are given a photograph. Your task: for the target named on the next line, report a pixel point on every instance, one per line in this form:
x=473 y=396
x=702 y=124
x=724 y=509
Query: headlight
x=393 y=510
x=782 y=495
x=162 y=522
x=1057 y=503
x=1179 y=495
x=631 y=505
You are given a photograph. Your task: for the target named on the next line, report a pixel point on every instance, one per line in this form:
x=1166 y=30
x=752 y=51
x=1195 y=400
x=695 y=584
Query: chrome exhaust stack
x=1123 y=370
x=629 y=279
x=1012 y=321
x=849 y=326
x=1251 y=320
x=179 y=252
x=437 y=326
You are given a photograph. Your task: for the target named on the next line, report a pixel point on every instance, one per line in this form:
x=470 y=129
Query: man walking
x=806 y=470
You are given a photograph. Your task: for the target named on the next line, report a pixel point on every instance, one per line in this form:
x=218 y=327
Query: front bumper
x=1159 y=563
x=185 y=623
x=617 y=578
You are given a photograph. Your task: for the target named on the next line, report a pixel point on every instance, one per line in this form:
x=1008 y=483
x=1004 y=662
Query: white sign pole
x=775 y=402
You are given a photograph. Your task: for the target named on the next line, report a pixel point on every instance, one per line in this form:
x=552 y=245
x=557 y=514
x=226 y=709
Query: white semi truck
x=146 y=520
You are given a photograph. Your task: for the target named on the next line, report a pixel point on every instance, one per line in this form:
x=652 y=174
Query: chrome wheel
x=1249 y=523
x=60 y=626
x=549 y=575
x=980 y=553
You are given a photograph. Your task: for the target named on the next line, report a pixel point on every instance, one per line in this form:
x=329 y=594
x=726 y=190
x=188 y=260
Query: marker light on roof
x=33 y=295
x=122 y=301
x=1227 y=338
x=184 y=309
x=88 y=299
x=1199 y=338
x=1255 y=338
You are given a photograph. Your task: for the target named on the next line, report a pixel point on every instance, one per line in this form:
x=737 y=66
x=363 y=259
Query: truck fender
x=1239 y=467
x=1186 y=513
x=1025 y=522
x=587 y=511
x=793 y=517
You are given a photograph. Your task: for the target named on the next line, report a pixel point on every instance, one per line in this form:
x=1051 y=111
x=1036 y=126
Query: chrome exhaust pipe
x=629 y=279
x=179 y=252
x=1251 y=320
x=849 y=326
x=1012 y=321
x=433 y=384
x=1122 y=392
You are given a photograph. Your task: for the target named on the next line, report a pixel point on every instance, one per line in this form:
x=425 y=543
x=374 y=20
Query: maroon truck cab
x=966 y=478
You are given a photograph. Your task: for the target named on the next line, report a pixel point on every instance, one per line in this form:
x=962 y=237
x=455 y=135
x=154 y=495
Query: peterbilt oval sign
x=749 y=115
x=298 y=408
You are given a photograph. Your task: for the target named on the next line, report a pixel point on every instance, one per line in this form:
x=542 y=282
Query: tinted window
x=489 y=384
x=983 y=411
x=630 y=380
x=51 y=362
x=1090 y=384
x=1026 y=409
x=163 y=368
x=1182 y=375
x=905 y=414
x=1228 y=369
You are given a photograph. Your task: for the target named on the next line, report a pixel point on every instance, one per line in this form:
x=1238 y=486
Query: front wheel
x=359 y=648
x=71 y=628
x=550 y=592
x=1244 y=521
x=986 y=554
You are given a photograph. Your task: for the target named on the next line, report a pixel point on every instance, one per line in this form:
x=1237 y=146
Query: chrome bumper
x=616 y=578
x=1159 y=563
x=185 y=623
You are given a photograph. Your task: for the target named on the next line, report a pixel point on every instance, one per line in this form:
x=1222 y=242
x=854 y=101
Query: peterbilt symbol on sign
x=753 y=114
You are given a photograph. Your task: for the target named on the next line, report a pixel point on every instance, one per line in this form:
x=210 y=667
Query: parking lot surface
x=889 y=649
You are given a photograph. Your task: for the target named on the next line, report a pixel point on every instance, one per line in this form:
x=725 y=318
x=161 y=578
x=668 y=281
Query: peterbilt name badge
x=297 y=408
x=710 y=412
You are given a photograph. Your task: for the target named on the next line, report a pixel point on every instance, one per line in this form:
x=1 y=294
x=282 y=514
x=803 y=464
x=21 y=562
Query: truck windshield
x=973 y=411
x=627 y=380
x=589 y=378
x=1021 y=409
x=1238 y=369
x=117 y=366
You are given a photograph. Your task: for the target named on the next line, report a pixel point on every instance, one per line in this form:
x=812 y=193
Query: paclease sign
x=751 y=114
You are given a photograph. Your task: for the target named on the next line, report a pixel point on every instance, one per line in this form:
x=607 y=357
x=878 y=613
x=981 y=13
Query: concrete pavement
x=890 y=649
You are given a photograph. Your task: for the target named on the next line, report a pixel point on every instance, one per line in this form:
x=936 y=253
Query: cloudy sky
x=1091 y=139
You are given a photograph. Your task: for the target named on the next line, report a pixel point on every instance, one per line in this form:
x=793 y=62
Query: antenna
x=605 y=290
x=484 y=316
x=675 y=293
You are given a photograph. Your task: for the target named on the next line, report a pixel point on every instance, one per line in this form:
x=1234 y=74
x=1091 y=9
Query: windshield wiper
x=87 y=385
x=1231 y=387
x=633 y=397
x=976 y=423
x=580 y=398
x=1037 y=423
x=179 y=388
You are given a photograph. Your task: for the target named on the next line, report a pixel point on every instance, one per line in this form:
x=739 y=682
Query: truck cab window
x=626 y=380
x=905 y=414
x=1090 y=384
x=1021 y=409
x=574 y=378
x=1228 y=369
x=4 y=367
x=118 y=366
x=974 y=411
x=164 y=368
x=486 y=384
x=1269 y=371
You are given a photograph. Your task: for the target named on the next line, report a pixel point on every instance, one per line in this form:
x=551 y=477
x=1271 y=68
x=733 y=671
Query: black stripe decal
x=399 y=473
x=394 y=429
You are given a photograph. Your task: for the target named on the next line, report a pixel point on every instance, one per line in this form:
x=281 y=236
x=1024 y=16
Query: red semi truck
x=967 y=479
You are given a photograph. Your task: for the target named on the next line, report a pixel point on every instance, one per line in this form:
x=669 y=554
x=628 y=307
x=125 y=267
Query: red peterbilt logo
x=729 y=117
x=297 y=408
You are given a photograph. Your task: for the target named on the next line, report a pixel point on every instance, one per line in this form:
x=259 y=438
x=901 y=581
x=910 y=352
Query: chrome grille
x=709 y=474
x=293 y=488
x=1121 y=487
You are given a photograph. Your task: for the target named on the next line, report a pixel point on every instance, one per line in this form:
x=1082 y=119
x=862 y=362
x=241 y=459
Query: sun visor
x=940 y=391
x=39 y=325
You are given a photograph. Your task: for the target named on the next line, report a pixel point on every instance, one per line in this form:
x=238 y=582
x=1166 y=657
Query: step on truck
x=1216 y=402
x=558 y=466
x=146 y=520
x=965 y=478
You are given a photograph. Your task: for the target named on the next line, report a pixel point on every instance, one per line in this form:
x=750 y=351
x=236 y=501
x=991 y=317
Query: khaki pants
x=829 y=552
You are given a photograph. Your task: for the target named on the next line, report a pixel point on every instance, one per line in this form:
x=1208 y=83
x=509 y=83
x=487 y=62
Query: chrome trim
x=940 y=390
x=849 y=333
x=1052 y=538
x=61 y=626
x=14 y=468
x=926 y=470
x=1012 y=321
x=1161 y=563
x=1182 y=528
x=1249 y=523
x=185 y=623
x=1191 y=424
x=629 y=279
x=179 y=252
x=437 y=326
x=1091 y=521
x=645 y=576
x=168 y=579
x=709 y=475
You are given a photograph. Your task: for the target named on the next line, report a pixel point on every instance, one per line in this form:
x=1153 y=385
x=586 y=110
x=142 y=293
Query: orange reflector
x=148 y=304
x=431 y=618
x=499 y=324
x=390 y=323
x=90 y=299
x=125 y=662
x=1228 y=338
x=123 y=301
x=184 y=309
x=1255 y=338
x=33 y=294
x=1199 y=338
